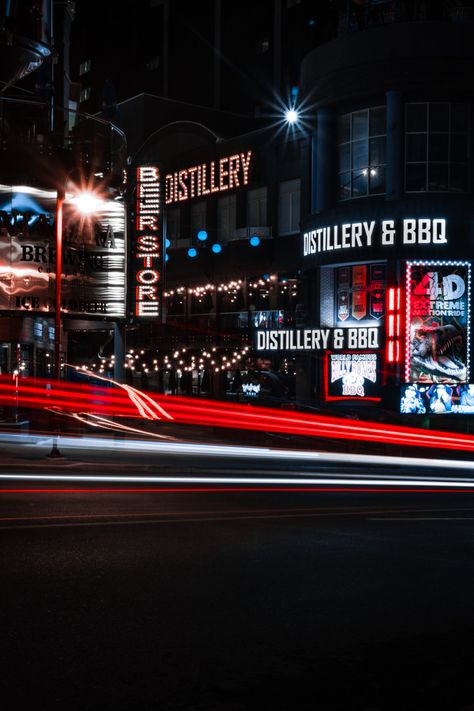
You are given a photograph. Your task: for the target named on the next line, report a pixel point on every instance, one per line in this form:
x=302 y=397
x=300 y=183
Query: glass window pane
x=344 y=157
x=438 y=146
x=460 y=117
x=459 y=147
x=344 y=128
x=360 y=125
x=377 y=150
x=359 y=182
x=459 y=178
x=378 y=125
x=360 y=154
x=416 y=147
x=439 y=117
x=438 y=177
x=344 y=188
x=416 y=177
x=377 y=180
x=416 y=117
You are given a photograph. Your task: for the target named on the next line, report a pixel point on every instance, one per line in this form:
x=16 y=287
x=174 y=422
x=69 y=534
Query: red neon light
x=32 y=393
x=393 y=350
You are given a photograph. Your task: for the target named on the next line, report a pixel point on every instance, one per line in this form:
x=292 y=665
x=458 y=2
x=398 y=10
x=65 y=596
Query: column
x=321 y=168
x=119 y=351
x=394 y=178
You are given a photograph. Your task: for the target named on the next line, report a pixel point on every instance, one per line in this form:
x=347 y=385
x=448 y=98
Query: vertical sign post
x=148 y=248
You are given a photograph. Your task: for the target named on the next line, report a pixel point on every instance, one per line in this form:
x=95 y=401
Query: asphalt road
x=234 y=601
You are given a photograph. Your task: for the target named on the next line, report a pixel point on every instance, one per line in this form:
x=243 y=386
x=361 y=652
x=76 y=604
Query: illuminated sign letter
x=147 y=264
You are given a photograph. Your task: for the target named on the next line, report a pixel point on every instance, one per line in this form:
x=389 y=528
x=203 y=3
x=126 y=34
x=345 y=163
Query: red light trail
x=128 y=402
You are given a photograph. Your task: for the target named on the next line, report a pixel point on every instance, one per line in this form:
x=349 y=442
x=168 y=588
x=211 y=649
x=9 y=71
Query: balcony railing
x=360 y=15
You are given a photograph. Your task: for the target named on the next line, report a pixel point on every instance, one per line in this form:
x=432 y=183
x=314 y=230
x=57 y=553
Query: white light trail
x=248 y=481
x=255 y=454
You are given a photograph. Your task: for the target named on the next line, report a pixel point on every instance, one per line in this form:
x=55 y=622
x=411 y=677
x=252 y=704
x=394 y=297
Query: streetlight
x=291 y=116
x=86 y=203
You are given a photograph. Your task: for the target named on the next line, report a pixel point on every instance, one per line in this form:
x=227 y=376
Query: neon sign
x=387 y=233
x=438 y=297
x=148 y=248
x=318 y=339
x=353 y=375
x=217 y=176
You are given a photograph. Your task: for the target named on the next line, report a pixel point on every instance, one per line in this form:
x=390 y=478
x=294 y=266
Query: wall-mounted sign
x=438 y=322
x=93 y=275
x=352 y=375
x=437 y=399
x=204 y=179
x=318 y=339
x=251 y=389
x=362 y=235
x=147 y=262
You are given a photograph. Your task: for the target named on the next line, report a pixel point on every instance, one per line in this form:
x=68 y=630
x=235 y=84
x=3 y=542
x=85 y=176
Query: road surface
x=233 y=601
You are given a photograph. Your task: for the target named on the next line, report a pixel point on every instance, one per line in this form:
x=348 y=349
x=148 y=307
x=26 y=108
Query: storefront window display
x=353 y=294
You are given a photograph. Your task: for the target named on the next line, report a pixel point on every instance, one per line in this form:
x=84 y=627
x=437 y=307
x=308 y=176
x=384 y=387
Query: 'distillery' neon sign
x=207 y=178
x=148 y=248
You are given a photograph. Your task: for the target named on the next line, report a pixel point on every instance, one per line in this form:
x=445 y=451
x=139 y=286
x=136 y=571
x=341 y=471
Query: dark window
x=361 y=153
x=436 y=147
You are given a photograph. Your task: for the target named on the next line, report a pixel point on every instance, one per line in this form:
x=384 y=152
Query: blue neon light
x=192 y=252
x=216 y=248
x=254 y=241
x=202 y=235
x=167 y=243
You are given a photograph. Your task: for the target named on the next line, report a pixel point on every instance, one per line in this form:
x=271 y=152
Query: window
x=361 y=147
x=289 y=207
x=85 y=67
x=226 y=218
x=257 y=207
x=436 y=147
x=353 y=294
x=198 y=217
x=85 y=95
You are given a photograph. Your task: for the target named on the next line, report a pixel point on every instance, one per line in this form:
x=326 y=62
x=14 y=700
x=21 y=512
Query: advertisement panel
x=360 y=293
x=353 y=375
x=93 y=276
x=437 y=399
x=437 y=322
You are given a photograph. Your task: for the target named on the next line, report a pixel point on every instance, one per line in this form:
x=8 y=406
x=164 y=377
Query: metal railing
x=372 y=13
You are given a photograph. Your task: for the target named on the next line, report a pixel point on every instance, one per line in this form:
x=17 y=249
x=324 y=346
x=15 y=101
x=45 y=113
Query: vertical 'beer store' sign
x=148 y=248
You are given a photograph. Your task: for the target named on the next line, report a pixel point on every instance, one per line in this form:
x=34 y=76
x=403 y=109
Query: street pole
x=55 y=453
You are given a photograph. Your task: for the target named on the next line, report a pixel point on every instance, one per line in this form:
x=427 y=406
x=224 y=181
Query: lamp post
x=85 y=203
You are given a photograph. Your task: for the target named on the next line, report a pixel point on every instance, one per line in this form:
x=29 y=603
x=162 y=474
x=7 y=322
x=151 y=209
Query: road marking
x=425 y=518
x=132 y=519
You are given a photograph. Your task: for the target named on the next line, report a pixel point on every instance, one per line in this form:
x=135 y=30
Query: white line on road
x=420 y=519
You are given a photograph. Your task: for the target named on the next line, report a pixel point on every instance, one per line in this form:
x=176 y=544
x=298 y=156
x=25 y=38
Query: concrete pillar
x=394 y=178
x=321 y=169
x=119 y=351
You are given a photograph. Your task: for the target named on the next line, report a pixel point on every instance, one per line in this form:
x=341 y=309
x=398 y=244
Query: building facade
x=50 y=152
x=387 y=242
x=357 y=293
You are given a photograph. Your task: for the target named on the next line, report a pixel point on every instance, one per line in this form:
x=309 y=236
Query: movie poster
x=438 y=322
